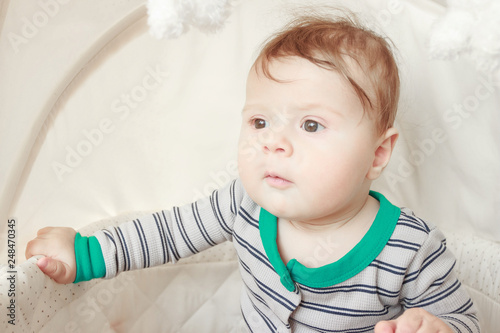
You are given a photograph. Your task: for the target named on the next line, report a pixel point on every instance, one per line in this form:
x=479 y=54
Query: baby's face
x=305 y=145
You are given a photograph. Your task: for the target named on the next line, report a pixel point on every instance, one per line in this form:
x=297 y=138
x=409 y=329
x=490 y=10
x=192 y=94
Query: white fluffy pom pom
x=451 y=35
x=164 y=19
x=210 y=15
x=172 y=18
x=485 y=40
x=470 y=27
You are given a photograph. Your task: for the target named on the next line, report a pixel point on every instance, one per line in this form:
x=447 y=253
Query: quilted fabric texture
x=478 y=267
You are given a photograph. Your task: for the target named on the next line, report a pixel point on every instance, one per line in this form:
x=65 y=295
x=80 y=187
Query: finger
x=32 y=248
x=27 y=252
x=432 y=324
x=427 y=327
x=56 y=270
x=44 y=230
x=408 y=325
x=385 y=327
x=410 y=321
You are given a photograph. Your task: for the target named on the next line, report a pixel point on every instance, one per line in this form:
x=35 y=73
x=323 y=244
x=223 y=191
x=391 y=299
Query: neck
x=361 y=213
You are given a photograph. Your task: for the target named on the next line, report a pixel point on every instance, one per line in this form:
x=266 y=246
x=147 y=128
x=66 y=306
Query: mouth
x=275 y=180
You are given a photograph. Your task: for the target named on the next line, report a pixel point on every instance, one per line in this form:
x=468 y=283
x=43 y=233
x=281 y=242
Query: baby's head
x=317 y=123
x=362 y=57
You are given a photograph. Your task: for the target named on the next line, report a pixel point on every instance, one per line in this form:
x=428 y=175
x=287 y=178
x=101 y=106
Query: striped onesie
x=402 y=262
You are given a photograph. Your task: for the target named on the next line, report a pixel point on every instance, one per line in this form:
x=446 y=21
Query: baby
x=318 y=250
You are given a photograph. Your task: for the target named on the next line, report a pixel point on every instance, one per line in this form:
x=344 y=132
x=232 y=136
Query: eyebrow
x=247 y=107
x=319 y=106
x=304 y=107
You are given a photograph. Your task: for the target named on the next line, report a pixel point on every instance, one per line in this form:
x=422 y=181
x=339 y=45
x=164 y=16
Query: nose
x=277 y=143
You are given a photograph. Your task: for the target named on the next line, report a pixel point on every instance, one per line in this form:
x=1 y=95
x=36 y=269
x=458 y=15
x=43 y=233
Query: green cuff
x=89 y=259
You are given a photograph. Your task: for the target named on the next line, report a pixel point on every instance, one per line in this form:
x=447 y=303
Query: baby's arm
x=151 y=240
x=57 y=245
x=169 y=235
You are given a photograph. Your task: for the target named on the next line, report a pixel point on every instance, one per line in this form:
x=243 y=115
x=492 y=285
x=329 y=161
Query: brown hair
x=333 y=45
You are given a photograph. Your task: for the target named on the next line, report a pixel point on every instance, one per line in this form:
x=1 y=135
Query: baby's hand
x=58 y=247
x=413 y=321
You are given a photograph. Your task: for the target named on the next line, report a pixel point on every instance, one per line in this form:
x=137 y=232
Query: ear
x=383 y=152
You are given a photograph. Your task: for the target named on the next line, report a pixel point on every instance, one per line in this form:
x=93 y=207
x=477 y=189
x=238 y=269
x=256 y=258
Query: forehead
x=298 y=81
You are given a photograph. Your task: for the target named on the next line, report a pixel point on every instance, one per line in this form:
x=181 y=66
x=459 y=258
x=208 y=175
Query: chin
x=278 y=211
x=275 y=203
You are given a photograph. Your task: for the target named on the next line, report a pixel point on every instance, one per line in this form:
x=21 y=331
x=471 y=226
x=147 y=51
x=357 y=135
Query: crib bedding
x=98 y=119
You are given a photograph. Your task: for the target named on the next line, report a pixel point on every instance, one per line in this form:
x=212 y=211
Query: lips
x=277 y=181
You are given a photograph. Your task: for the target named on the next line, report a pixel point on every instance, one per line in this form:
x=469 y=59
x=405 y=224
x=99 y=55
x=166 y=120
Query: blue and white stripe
x=415 y=269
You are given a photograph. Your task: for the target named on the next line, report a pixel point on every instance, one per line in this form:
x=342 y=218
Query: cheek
x=249 y=180
x=244 y=173
x=247 y=156
x=333 y=169
x=354 y=155
x=247 y=149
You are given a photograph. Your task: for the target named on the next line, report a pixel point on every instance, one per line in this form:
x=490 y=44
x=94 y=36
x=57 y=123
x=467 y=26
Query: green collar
x=346 y=267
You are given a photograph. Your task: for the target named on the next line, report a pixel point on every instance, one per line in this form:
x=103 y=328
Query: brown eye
x=260 y=123
x=312 y=126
